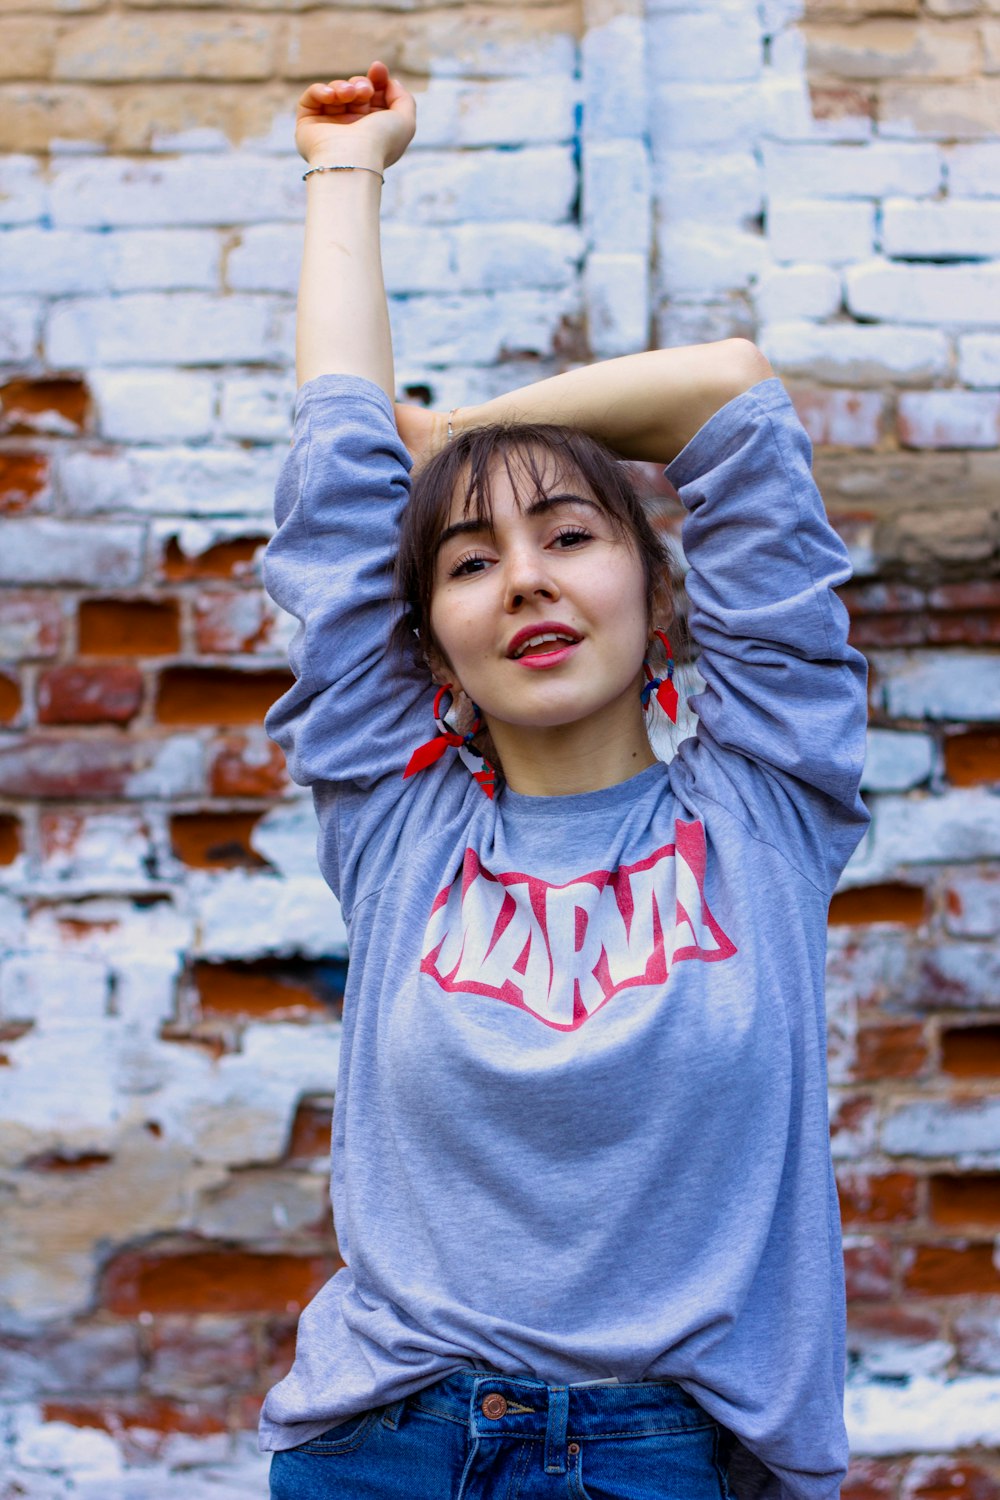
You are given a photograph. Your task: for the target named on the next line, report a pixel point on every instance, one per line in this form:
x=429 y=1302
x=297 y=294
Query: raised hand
x=368 y=120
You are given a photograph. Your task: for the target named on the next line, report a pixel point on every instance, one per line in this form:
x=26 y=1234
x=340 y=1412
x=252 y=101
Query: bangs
x=534 y=472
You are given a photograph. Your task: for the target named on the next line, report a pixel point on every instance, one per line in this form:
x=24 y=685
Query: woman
x=581 y=1172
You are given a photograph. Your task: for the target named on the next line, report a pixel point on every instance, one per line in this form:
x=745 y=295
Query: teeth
x=537 y=640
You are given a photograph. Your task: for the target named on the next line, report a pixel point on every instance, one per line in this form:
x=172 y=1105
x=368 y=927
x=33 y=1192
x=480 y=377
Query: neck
x=586 y=756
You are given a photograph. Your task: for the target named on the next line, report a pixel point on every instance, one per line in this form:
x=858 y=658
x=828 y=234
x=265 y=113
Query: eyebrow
x=536 y=508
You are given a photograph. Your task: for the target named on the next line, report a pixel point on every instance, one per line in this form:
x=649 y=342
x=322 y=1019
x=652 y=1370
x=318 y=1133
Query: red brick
x=951 y=1270
x=866 y=1198
x=975 y=593
x=841 y=418
x=890 y=1052
x=23 y=481
x=966 y=1201
x=973 y=758
x=216 y=695
x=146 y=1414
x=10 y=698
x=30 y=405
x=214 y=840
x=310 y=1132
x=868 y=1270
x=888 y=630
x=837 y=102
x=892 y=902
x=10 y=838
x=949 y=1479
x=233 y=558
x=89 y=695
x=30 y=625
x=128 y=627
x=236 y=621
x=65 y=767
x=212 y=1282
x=968 y=629
x=57 y=1161
x=253 y=990
x=971 y=1051
x=248 y=765
x=871 y=1479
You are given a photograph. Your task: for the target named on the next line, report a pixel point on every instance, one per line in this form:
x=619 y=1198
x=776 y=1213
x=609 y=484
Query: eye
x=469 y=564
x=571 y=536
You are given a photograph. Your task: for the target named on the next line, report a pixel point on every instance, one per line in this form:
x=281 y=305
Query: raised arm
x=365 y=122
x=644 y=406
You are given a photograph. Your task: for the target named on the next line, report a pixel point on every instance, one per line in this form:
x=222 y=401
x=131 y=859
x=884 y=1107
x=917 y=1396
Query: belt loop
x=555 y=1431
x=393 y=1414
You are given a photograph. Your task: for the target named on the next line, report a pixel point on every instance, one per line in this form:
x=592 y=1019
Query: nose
x=527 y=577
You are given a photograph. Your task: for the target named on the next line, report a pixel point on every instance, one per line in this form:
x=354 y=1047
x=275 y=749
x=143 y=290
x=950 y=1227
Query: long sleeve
x=781 y=735
x=354 y=715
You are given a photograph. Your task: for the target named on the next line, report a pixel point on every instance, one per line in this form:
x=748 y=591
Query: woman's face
x=542 y=617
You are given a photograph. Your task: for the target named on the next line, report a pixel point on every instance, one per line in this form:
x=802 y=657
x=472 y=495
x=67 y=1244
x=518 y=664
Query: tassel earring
x=663 y=687
x=447 y=738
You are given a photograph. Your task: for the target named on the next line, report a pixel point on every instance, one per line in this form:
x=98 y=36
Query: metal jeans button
x=494 y=1406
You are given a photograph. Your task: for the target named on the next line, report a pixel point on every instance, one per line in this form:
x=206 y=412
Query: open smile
x=543 y=644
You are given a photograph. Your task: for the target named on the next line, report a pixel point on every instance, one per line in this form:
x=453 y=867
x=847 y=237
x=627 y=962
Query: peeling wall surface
x=590 y=177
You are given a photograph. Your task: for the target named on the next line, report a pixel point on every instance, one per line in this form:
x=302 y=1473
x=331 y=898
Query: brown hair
x=466 y=464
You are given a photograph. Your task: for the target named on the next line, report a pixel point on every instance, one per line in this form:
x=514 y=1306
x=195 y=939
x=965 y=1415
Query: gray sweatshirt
x=581 y=1123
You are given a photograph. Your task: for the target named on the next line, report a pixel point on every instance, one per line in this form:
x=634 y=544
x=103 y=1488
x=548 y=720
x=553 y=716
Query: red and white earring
x=448 y=738
x=662 y=687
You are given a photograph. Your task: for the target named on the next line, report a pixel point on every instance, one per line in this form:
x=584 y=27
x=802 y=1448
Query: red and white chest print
x=561 y=952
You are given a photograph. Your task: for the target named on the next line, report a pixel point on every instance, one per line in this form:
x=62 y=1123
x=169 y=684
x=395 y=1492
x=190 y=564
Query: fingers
x=338 y=95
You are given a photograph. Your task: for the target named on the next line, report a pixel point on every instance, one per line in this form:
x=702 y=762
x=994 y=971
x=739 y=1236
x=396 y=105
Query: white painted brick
x=703 y=320
x=973 y=905
x=497 y=112
x=267 y=258
x=97 y=848
x=797 y=292
x=23 y=193
x=708 y=46
x=616 y=288
x=979 y=359
x=956 y=826
x=974 y=170
x=925 y=294
x=953 y=684
x=896 y=760
x=63 y=990
x=66 y=262
x=476 y=329
x=704 y=114
x=465 y=385
x=616 y=196
x=420 y=258
x=694 y=258
x=856 y=354
x=258 y=407
x=775 y=14
x=205 y=190
x=509 y=256
x=848 y=171
x=537 y=184
x=830 y=233
x=244 y=915
x=710 y=185
x=944 y=1127
x=949 y=419
x=192 y=481
x=153 y=406
x=162 y=328
x=608 y=53
x=922 y=1415
x=20 y=328
x=50 y=551
x=957 y=227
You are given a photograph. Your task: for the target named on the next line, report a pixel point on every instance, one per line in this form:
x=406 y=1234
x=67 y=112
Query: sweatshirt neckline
x=622 y=792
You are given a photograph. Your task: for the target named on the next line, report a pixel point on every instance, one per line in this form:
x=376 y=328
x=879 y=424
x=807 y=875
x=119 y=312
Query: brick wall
x=823 y=178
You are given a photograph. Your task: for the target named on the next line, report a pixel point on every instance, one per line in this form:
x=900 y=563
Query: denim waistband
x=494 y=1405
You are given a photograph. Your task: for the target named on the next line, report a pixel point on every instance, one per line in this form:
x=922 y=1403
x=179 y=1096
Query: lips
x=543 y=639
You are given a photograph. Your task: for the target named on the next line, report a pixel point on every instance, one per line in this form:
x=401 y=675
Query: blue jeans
x=480 y=1436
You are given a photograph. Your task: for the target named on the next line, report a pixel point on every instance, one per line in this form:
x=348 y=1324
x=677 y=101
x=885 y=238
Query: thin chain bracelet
x=355 y=168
